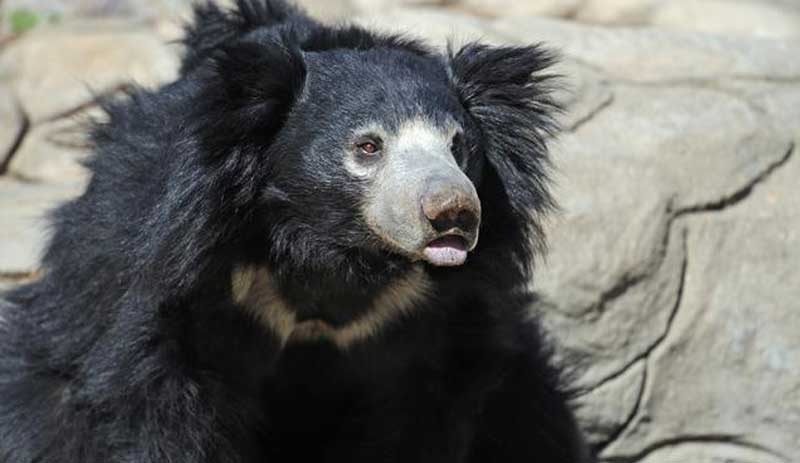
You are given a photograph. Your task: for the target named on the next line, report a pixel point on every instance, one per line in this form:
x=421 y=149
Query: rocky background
x=672 y=288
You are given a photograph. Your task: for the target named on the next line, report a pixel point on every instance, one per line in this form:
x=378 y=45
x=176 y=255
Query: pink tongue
x=446 y=251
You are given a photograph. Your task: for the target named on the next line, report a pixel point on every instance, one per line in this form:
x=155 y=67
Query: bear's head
x=356 y=159
x=370 y=155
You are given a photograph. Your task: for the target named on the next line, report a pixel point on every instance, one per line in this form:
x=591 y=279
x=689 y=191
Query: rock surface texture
x=672 y=285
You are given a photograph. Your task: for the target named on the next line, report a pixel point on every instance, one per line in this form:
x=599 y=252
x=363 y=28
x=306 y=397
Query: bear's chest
x=361 y=408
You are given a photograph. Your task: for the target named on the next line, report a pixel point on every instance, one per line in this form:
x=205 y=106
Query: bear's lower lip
x=447 y=251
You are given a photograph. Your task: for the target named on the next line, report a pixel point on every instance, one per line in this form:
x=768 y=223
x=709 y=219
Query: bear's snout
x=451 y=207
x=453 y=210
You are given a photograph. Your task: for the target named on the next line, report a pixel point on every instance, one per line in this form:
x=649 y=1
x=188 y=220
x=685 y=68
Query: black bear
x=313 y=246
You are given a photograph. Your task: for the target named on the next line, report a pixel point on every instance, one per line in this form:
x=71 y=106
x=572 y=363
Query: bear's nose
x=449 y=205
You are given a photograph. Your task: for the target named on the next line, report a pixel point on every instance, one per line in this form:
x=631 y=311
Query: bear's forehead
x=391 y=85
x=387 y=60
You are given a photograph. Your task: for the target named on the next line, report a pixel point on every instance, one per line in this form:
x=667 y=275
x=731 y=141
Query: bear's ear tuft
x=251 y=87
x=212 y=26
x=506 y=92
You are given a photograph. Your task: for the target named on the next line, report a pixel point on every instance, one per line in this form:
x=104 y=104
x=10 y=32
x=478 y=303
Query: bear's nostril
x=466 y=220
x=456 y=217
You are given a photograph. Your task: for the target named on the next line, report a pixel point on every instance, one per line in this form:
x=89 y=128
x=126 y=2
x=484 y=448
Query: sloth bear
x=313 y=245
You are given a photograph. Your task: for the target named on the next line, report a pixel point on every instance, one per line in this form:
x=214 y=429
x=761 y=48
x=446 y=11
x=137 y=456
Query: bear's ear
x=249 y=89
x=212 y=26
x=510 y=98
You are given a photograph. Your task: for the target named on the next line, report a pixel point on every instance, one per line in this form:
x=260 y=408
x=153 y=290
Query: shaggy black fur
x=129 y=348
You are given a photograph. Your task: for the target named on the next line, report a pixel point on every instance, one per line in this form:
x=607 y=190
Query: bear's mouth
x=446 y=251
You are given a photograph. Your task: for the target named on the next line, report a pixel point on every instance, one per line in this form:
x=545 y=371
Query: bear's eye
x=457 y=145
x=369 y=147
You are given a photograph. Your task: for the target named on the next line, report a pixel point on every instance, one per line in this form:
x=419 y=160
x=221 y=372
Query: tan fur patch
x=254 y=288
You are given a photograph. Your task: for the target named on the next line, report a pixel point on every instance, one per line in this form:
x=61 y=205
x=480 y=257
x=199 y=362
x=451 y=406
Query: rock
x=379 y=6
x=636 y=54
x=727 y=368
x=591 y=248
x=66 y=10
x=751 y=18
x=90 y=58
x=604 y=410
x=655 y=55
x=581 y=92
x=53 y=152
x=12 y=125
x=619 y=318
x=22 y=223
x=497 y=8
x=780 y=100
x=616 y=11
x=437 y=26
x=744 y=18
x=175 y=15
x=612 y=276
x=39 y=159
x=705 y=144
x=331 y=10
x=708 y=452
